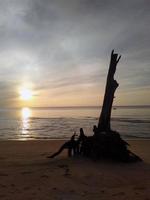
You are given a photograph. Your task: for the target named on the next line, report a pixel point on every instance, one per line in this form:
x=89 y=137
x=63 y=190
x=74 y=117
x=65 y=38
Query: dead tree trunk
x=111 y=86
x=109 y=144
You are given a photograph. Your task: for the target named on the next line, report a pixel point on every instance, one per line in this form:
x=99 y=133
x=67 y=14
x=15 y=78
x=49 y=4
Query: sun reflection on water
x=26 y=114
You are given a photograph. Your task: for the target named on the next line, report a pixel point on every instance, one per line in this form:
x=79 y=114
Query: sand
x=26 y=173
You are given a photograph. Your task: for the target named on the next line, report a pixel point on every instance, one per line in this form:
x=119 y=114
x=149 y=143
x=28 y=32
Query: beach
x=27 y=173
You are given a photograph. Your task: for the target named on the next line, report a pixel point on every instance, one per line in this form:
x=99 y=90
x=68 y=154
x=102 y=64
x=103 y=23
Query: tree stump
x=105 y=143
x=111 y=86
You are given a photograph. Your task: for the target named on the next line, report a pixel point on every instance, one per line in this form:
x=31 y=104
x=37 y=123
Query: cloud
x=9 y=94
x=60 y=44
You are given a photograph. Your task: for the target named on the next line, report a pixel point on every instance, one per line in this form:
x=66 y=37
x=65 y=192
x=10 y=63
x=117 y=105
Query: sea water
x=61 y=123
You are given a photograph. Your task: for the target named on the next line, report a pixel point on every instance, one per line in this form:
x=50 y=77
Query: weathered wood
x=111 y=86
x=105 y=143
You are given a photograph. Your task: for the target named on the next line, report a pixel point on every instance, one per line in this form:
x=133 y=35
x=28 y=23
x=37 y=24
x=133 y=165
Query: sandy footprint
x=44 y=176
x=119 y=194
x=3 y=174
x=27 y=172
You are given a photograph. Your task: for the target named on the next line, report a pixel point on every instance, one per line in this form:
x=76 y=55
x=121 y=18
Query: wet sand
x=26 y=173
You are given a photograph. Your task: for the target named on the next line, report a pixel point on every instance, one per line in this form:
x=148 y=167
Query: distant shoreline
x=66 y=139
x=80 y=107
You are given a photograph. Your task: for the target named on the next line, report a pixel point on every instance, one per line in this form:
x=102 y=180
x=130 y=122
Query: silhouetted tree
x=111 y=86
x=105 y=143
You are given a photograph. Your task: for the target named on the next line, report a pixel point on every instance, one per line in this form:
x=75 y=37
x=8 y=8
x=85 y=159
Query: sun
x=26 y=94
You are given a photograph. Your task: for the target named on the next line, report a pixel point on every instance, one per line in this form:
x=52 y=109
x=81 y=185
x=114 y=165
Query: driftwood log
x=105 y=143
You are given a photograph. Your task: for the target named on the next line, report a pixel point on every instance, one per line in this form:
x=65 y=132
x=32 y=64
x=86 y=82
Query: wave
x=130 y=120
x=135 y=136
x=62 y=127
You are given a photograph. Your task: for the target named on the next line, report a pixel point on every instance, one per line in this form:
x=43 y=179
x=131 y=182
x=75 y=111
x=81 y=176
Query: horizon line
x=89 y=106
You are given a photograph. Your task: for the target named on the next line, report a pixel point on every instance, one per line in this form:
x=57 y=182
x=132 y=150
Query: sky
x=60 y=50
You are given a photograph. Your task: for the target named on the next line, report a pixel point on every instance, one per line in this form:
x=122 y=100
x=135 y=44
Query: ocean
x=61 y=123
